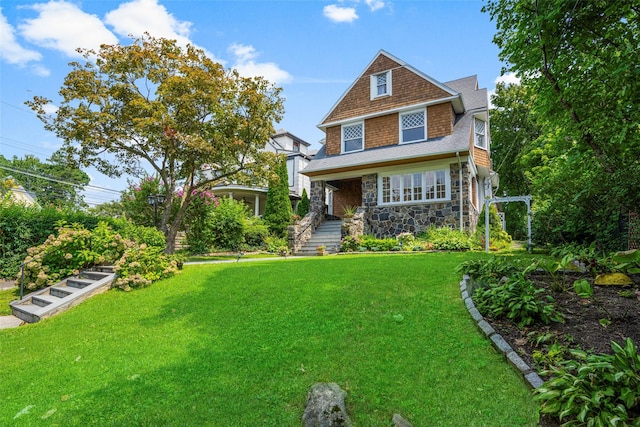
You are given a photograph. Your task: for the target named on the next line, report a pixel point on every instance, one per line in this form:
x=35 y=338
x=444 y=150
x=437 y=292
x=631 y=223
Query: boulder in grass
x=325 y=407
x=398 y=421
x=613 y=279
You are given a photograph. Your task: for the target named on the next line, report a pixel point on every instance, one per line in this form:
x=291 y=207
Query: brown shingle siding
x=381 y=131
x=439 y=120
x=407 y=88
x=334 y=140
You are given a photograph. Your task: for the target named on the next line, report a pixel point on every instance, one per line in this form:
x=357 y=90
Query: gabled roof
x=454 y=95
x=475 y=101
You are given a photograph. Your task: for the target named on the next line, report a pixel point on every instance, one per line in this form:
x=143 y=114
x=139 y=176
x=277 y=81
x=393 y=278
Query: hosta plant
x=595 y=389
x=517 y=299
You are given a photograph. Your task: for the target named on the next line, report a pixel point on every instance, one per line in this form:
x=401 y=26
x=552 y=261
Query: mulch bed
x=611 y=314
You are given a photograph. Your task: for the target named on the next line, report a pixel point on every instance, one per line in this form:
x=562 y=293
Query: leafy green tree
x=514 y=131
x=303 y=206
x=174 y=110
x=54 y=182
x=575 y=57
x=277 y=211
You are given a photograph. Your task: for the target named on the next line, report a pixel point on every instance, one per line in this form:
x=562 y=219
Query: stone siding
x=370 y=190
x=391 y=220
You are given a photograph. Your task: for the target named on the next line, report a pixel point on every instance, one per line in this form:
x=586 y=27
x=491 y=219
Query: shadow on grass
x=241 y=344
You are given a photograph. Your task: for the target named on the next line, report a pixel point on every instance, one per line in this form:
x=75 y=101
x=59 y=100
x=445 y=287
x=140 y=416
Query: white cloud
x=246 y=65
x=340 y=14
x=62 y=26
x=10 y=49
x=509 y=78
x=375 y=4
x=147 y=16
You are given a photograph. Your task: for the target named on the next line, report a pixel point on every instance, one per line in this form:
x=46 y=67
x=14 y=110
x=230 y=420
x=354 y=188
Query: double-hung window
x=413 y=126
x=427 y=186
x=353 y=137
x=381 y=84
x=480 y=127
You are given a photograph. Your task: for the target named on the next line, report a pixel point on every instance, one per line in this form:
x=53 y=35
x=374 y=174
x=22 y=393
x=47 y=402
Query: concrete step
x=75 y=282
x=44 y=300
x=61 y=296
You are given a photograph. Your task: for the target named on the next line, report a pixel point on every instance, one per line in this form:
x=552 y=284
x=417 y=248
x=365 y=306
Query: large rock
x=398 y=421
x=613 y=279
x=326 y=407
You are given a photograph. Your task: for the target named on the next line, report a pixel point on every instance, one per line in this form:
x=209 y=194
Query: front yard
x=241 y=344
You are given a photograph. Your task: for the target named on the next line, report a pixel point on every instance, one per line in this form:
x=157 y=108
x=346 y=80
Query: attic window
x=480 y=127
x=381 y=84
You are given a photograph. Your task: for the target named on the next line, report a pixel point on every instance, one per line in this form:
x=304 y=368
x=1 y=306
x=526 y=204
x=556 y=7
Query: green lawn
x=240 y=344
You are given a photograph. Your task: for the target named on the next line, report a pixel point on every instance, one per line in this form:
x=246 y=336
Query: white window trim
x=374 y=85
x=342 y=137
x=475 y=134
x=424 y=113
x=447 y=178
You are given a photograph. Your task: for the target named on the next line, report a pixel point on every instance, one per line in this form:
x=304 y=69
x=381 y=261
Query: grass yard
x=240 y=344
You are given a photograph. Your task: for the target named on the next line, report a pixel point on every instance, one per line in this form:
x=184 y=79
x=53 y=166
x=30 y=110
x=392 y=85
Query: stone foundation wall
x=391 y=220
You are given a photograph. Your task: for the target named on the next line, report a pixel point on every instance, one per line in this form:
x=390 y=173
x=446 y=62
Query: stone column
x=256 y=206
x=370 y=190
x=317 y=196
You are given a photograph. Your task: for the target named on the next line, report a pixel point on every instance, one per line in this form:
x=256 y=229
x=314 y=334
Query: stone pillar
x=256 y=206
x=370 y=190
x=317 y=197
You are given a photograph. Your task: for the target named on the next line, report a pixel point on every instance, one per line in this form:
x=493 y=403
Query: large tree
x=155 y=105
x=54 y=182
x=579 y=58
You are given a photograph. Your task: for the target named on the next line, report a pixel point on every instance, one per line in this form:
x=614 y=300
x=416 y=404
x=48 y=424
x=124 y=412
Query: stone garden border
x=531 y=377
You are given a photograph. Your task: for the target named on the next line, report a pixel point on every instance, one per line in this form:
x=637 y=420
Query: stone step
x=75 y=282
x=44 y=300
x=62 y=291
x=61 y=296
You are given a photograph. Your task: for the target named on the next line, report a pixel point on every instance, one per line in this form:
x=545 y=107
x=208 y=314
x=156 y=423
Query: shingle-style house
x=298 y=157
x=410 y=150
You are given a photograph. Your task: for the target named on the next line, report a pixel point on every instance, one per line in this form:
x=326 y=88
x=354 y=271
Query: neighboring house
x=17 y=193
x=298 y=157
x=408 y=149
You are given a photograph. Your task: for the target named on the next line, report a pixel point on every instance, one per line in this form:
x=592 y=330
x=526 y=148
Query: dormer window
x=381 y=84
x=480 y=127
x=353 y=138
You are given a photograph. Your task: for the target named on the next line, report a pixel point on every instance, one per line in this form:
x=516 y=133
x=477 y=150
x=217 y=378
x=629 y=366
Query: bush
x=498 y=238
x=23 y=227
x=406 y=240
x=598 y=390
x=75 y=248
x=276 y=245
x=226 y=224
x=350 y=244
x=142 y=265
x=374 y=244
x=304 y=205
x=255 y=233
x=487 y=271
x=446 y=239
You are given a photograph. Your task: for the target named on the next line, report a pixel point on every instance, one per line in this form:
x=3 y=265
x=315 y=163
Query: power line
x=81 y=186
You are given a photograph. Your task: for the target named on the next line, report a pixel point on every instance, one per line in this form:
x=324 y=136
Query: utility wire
x=59 y=181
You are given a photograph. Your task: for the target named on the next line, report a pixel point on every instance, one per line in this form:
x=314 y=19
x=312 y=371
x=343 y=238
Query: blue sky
x=313 y=49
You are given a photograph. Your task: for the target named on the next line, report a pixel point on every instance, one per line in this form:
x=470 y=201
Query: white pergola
x=487 y=203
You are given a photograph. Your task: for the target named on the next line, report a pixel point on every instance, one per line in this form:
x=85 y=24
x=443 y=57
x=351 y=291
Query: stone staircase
x=63 y=295
x=328 y=234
